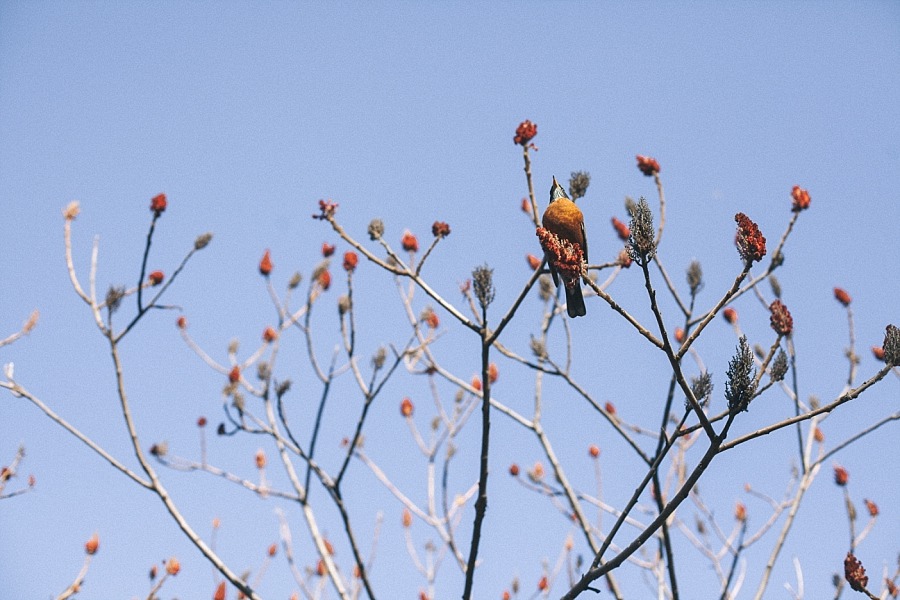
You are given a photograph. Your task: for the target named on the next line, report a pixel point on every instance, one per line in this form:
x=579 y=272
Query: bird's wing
x=584 y=244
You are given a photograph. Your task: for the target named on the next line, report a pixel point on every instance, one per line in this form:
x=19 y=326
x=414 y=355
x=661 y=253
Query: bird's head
x=557 y=191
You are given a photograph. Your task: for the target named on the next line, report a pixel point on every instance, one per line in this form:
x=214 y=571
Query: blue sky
x=246 y=114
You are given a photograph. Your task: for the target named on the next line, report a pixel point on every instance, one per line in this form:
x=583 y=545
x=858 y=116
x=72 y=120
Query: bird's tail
x=575 y=301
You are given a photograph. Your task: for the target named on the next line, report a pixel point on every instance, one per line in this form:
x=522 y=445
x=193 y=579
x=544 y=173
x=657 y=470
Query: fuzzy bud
x=641 y=244
x=775 y=285
x=202 y=240
x=483 y=282
x=260 y=459
x=376 y=229
x=779 y=366
x=578 y=184
x=379 y=357
x=739 y=387
x=702 y=387
x=695 y=277
x=327 y=249
x=114 y=297
x=156 y=277
x=594 y=450
x=71 y=210
x=891 y=346
x=344 y=304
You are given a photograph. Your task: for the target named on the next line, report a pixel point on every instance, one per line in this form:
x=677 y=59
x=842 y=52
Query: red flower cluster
x=801 y=199
x=431 y=319
x=855 y=573
x=158 y=204
x=324 y=279
x=269 y=335
x=350 y=261
x=841 y=476
x=750 y=242
x=406 y=407
x=327 y=208
x=181 y=322
x=409 y=242
x=493 y=373
x=622 y=229
x=594 y=450
x=440 y=229
x=533 y=261
x=265 y=265
x=564 y=256
x=842 y=296
x=156 y=277
x=526 y=206
x=327 y=249
x=235 y=374
x=647 y=165
x=91 y=546
x=878 y=352
x=525 y=132
x=781 y=319
x=730 y=315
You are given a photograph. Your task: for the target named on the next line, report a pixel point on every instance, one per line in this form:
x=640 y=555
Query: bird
x=564 y=219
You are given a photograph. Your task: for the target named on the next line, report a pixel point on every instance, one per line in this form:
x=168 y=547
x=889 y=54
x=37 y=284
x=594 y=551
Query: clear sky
x=245 y=114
